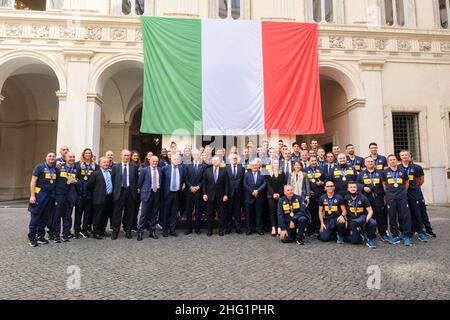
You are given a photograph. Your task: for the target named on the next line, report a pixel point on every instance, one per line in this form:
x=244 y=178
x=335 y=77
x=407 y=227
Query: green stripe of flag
x=172 y=76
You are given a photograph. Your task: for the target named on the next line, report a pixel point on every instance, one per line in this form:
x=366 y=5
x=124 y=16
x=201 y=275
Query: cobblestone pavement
x=230 y=267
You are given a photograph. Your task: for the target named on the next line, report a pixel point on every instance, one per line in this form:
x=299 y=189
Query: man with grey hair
x=194 y=178
x=173 y=181
x=215 y=193
x=124 y=176
x=235 y=172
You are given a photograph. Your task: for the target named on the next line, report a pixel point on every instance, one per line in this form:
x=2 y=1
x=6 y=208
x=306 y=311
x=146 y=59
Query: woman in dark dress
x=275 y=184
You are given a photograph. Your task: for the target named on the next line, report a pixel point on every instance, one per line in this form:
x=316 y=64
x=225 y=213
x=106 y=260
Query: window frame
x=338 y=12
x=422 y=113
x=214 y=10
x=406 y=14
x=438 y=15
x=323 y=12
x=414 y=117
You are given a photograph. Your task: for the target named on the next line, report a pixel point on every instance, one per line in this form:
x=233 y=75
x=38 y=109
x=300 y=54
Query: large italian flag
x=228 y=77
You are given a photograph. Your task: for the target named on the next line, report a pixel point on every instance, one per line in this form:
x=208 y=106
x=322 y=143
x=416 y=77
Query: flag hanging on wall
x=228 y=77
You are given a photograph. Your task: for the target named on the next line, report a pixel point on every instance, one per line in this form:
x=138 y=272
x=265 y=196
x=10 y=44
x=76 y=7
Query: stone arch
x=106 y=67
x=348 y=78
x=12 y=61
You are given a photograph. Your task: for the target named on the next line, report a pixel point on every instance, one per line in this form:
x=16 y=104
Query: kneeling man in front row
x=292 y=216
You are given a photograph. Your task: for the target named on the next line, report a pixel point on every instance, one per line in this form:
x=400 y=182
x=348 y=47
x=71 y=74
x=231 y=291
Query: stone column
x=76 y=119
x=367 y=123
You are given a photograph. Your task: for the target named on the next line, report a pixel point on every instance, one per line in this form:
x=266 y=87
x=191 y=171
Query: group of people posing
x=292 y=193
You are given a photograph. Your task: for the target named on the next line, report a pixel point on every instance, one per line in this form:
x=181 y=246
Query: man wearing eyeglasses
x=332 y=214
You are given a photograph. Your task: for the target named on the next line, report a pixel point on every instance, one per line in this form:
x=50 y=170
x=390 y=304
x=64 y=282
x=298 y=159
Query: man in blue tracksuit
x=292 y=216
x=66 y=196
x=395 y=184
x=413 y=173
x=359 y=216
x=332 y=212
x=370 y=184
x=42 y=198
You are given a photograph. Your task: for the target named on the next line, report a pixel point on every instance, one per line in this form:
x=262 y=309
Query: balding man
x=150 y=182
x=62 y=159
x=342 y=174
x=292 y=216
x=110 y=156
x=101 y=186
x=124 y=177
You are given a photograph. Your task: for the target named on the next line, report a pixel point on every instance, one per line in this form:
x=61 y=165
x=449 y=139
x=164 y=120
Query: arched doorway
x=28 y=122
x=143 y=142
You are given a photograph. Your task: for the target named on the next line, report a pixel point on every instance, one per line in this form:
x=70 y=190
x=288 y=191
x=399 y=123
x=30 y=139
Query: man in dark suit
x=149 y=183
x=124 y=176
x=286 y=164
x=101 y=187
x=194 y=177
x=173 y=180
x=235 y=172
x=254 y=188
x=215 y=193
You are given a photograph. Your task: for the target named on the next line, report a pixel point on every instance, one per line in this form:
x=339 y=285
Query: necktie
x=234 y=171
x=124 y=176
x=173 y=183
x=196 y=167
x=215 y=175
x=154 y=184
x=288 y=169
x=255 y=177
x=108 y=182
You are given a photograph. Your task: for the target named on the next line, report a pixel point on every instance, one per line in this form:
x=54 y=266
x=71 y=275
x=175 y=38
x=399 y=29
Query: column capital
x=62 y=96
x=94 y=97
x=74 y=55
x=371 y=65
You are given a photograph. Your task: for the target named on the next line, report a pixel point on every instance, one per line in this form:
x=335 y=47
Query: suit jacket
x=235 y=186
x=97 y=186
x=193 y=178
x=215 y=190
x=250 y=186
x=283 y=164
x=167 y=176
x=116 y=176
x=145 y=182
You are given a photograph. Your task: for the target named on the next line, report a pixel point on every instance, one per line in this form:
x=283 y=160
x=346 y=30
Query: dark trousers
x=313 y=208
x=358 y=225
x=332 y=226
x=63 y=210
x=254 y=215
x=379 y=212
x=298 y=232
x=106 y=214
x=416 y=213
x=100 y=211
x=213 y=206
x=137 y=203
x=125 y=205
x=149 y=213
x=233 y=212
x=424 y=213
x=193 y=204
x=398 y=209
x=40 y=215
x=83 y=213
x=272 y=205
x=171 y=207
